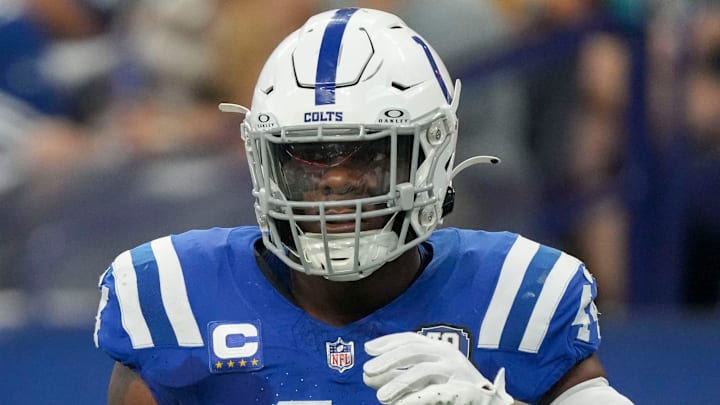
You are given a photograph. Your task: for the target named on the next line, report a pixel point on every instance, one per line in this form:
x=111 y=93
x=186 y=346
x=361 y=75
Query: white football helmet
x=350 y=141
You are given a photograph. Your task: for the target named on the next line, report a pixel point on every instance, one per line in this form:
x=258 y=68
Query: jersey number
x=586 y=315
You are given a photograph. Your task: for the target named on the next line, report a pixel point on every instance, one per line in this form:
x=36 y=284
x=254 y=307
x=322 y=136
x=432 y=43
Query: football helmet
x=350 y=141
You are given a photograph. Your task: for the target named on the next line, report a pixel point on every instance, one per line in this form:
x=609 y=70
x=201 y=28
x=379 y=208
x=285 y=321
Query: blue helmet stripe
x=326 y=73
x=434 y=66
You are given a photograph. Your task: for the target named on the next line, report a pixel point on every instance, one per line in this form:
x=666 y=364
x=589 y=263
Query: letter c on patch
x=244 y=333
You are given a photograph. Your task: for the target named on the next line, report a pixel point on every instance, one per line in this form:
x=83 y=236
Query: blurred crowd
x=110 y=134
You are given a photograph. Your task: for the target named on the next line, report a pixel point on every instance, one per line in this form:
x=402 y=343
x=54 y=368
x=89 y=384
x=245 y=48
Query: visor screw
x=427 y=216
x=435 y=135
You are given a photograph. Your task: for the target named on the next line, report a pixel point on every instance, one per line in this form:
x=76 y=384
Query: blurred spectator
x=245 y=34
x=703 y=85
x=40 y=134
x=684 y=101
x=577 y=132
x=597 y=144
x=701 y=259
x=162 y=102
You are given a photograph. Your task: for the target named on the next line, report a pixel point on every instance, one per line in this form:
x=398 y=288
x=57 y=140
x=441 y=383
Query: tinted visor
x=324 y=171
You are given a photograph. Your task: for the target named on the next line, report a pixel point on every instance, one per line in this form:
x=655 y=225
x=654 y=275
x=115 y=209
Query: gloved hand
x=411 y=369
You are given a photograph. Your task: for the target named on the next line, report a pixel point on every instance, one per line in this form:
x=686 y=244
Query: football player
x=346 y=292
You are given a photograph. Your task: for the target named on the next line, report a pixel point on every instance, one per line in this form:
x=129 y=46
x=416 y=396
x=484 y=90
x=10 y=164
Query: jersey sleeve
x=110 y=334
x=541 y=319
x=572 y=331
x=145 y=320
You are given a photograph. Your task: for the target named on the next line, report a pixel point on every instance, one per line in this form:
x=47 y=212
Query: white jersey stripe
x=104 y=295
x=511 y=276
x=548 y=300
x=174 y=294
x=126 y=290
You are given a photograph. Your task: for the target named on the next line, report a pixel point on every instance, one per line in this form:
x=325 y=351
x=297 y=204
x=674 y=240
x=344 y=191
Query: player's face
x=338 y=171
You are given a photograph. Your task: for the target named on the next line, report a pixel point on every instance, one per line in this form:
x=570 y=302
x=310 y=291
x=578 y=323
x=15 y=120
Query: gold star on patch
x=231 y=364
x=218 y=364
x=254 y=362
x=243 y=363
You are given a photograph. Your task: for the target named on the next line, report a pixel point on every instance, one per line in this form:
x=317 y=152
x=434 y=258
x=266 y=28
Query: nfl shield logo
x=340 y=354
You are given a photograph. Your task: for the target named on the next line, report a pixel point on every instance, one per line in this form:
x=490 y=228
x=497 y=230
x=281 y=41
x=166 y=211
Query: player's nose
x=341 y=180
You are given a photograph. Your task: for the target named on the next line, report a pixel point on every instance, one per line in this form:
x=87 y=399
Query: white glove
x=411 y=369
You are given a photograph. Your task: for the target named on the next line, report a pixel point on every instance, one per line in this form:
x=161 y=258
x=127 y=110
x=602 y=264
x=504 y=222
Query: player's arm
x=127 y=388
x=584 y=384
x=585 y=370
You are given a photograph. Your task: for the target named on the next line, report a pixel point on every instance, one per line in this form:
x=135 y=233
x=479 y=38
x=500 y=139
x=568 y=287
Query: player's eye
x=322 y=154
x=325 y=155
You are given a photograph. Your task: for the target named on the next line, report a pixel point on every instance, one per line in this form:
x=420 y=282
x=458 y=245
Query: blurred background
x=606 y=115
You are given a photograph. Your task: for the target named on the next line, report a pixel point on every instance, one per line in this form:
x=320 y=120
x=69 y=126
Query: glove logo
x=234 y=347
x=340 y=355
x=457 y=337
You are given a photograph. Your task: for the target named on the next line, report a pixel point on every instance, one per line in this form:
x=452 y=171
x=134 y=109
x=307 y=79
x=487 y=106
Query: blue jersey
x=196 y=317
